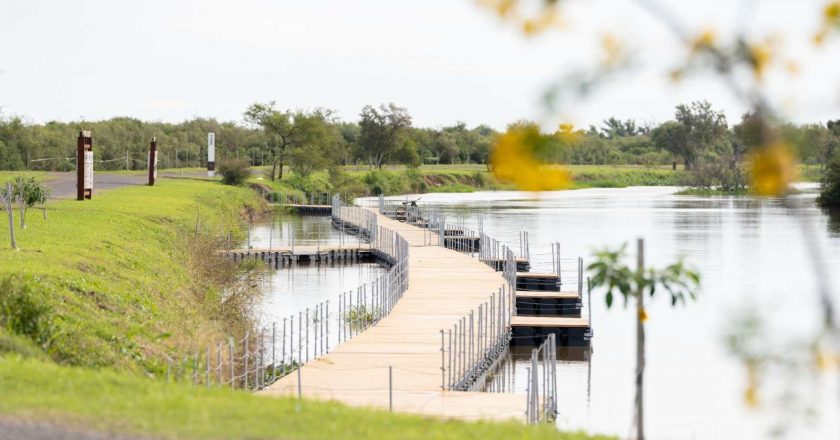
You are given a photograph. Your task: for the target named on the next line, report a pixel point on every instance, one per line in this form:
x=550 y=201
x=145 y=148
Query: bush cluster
x=830 y=190
x=234 y=172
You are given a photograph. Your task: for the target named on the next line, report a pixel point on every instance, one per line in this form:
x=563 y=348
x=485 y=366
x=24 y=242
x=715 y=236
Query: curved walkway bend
x=444 y=285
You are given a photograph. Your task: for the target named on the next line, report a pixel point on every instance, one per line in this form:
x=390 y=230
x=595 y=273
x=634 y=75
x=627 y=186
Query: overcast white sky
x=445 y=60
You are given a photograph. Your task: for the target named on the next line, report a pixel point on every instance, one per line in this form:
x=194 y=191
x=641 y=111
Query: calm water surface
x=292 y=290
x=752 y=256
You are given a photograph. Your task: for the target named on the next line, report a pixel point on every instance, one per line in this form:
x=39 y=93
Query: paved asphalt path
x=63 y=185
x=21 y=429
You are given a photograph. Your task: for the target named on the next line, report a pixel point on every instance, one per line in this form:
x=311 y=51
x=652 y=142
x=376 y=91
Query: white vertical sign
x=88 y=170
x=211 y=154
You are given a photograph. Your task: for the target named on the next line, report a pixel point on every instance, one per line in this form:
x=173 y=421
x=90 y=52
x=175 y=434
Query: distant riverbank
x=362 y=181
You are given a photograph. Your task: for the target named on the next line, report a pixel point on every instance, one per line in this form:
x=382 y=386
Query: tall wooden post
x=84 y=166
x=152 y=162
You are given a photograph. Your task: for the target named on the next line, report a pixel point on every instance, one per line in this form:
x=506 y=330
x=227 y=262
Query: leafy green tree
x=704 y=129
x=382 y=132
x=444 y=147
x=613 y=128
x=610 y=271
x=748 y=132
x=318 y=143
x=15 y=144
x=485 y=136
x=349 y=132
x=28 y=192
x=281 y=129
x=423 y=139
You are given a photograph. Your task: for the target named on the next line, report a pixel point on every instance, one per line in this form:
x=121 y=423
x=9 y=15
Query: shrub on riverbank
x=620 y=177
x=830 y=190
x=234 y=172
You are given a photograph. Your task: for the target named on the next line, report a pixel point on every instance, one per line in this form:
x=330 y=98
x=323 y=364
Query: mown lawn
x=107 y=400
x=7 y=175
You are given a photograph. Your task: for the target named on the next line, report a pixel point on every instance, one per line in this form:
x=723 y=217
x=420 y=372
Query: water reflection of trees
x=833 y=222
x=747 y=212
x=697 y=221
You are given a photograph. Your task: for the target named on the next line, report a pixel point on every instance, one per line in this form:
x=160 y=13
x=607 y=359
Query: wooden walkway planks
x=444 y=285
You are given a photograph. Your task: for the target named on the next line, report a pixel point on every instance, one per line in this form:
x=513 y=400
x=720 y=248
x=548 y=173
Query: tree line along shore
x=307 y=141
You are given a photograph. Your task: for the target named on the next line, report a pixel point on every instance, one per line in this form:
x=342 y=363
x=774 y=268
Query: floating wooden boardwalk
x=444 y=286
x=283 y=256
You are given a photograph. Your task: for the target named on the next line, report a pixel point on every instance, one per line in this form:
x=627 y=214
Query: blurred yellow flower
x=531 y=22
x=513 y=160
x=566 y=132
x=751 y=392
x=772 y=169
x=819 y=37
x=643 y=316
x=821 y=361
x=751 y=396
x=831 y=19
x=705 y=40
x=612 y=49
x=539 y=23
x=831 y=12
x=759 y=58
x=676 y=75
x=503 y=8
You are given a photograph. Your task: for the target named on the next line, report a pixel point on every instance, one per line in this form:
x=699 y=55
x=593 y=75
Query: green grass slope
x=136 y=405
x=111 y=281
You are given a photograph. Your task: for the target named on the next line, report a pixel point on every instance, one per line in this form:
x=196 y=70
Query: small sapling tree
x=609 y=271
x=28 y=192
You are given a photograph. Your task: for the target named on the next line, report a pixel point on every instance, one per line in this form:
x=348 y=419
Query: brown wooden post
x=153 y=162
x=84 y=166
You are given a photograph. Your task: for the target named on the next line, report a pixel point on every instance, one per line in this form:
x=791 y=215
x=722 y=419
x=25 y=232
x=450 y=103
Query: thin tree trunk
x=640 y=344
x=7 y=202
x=280 y=174
x=23 y=216
x=273 y=169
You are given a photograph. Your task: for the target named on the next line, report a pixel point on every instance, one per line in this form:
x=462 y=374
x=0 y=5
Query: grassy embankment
x=118 y=281
x=99 y=290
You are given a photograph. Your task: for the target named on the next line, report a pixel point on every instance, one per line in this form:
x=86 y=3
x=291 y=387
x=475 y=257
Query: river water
x=290 y=292
x=752 y=256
